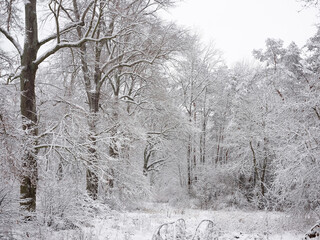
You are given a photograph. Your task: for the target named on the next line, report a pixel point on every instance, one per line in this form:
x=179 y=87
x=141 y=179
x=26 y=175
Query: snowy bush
x=175 y=196
x=217 y=188
x=9 y=208
x=59 y=198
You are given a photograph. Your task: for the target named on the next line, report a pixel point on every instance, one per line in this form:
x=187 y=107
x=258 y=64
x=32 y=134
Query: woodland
x=105 y=104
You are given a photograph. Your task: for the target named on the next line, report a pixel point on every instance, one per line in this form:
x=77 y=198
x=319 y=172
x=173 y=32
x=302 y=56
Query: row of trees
x=252 y=138
x=99 y=42
x=117 y=104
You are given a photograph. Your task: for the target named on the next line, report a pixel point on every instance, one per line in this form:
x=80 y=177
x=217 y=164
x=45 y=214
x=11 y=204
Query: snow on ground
x=233 y=224
x=143 y=223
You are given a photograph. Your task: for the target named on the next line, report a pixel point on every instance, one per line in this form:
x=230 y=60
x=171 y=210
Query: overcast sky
x=239 y=26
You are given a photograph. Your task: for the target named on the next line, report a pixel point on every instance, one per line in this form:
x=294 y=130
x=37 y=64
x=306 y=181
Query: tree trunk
x=194 y=150
x=255 y=167
x=265 y=159
x=148 y=153
x=264 y=167
x=218 y=151
x=113 y=147
x=92 y=177
x=203 y=135
x=93 y=96
x=28 y=187
x=219 y=156
x=203 y=149
x=146 y=157
x=189 y=164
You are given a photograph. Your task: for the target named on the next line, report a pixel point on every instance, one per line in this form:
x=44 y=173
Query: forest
x=108 y=108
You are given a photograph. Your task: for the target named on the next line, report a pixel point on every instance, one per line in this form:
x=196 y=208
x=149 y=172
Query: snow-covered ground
x=232 y=224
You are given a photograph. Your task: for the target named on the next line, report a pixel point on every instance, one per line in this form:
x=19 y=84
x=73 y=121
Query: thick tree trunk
x=28 y=186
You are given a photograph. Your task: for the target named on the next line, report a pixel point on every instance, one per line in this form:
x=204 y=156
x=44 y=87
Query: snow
x=141 y=224
x=231 y=224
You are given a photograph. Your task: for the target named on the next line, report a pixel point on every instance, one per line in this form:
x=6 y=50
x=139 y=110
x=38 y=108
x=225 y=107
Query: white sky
x=239 y=26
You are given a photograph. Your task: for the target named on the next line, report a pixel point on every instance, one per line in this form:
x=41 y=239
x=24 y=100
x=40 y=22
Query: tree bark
x=28 y=186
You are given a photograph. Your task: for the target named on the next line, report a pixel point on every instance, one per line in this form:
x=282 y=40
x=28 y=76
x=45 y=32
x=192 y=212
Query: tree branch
x=126 y=65
x=67 y=28
x=152 y=165
x=316 y=111
x=12 y=40
x=68 y=45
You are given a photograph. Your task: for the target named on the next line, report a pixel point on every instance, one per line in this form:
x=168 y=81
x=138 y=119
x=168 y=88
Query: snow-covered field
x=232 y=224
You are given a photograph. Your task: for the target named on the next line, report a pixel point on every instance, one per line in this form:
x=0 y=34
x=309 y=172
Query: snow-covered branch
x=68 y=45
x=12 y=40
x=69 y=27
x=124 y=64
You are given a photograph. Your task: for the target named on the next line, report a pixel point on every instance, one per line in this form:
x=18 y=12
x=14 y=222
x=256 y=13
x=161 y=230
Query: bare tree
x=139 y=40
x=194 y=77
x=27 y=70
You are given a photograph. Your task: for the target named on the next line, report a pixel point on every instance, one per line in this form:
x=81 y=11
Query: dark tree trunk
x=146 y=158
x=264 y=167
x=189 y=150
x=28 y=187
x=255 y=167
